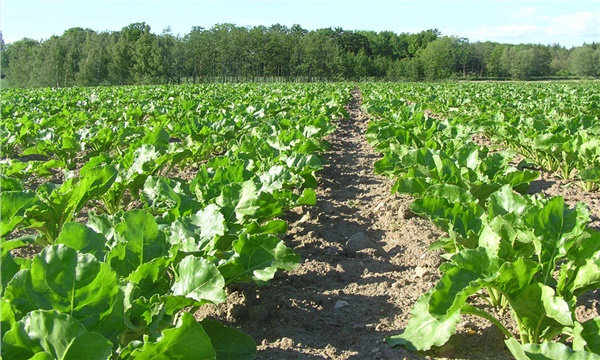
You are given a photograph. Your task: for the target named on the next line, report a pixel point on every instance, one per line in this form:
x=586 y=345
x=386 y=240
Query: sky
x=568 y=23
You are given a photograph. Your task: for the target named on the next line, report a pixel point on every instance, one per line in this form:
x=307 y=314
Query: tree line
x=226 y=52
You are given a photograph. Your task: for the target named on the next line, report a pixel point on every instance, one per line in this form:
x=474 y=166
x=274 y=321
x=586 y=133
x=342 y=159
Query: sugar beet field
x=301 y=221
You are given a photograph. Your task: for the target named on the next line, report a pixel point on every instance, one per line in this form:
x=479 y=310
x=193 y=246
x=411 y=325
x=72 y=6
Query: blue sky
x=569 y=23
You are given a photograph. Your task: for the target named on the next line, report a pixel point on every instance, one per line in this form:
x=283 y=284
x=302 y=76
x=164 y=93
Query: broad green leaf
x=258 y=258
x=275 y=178
x=146 y=153
x=247 y=205
x=304 y=164
x=53 y=335
x=229 y=343
x=471 y=270
x=7 y=316
x=452 y=291
x=591 y=174
x=589 y=336
x=14 y=205
x=169 y=195
x=139 y=241
x=515 y=276
x=308 y=197
x=462 y=221
x=520 y=180
x=7 y=245
x=199 y=279
x=95 y=182
x=411 y=184
x=244 y=203
x=542 y=315
x=557 y=228
x=468 y=156
x=151 y=278
x=198 y=232
x=270 y=227
x=424 y=330
x=82 y=239
x=547 y=351
x=8 y=269
x=451 y=193
x=210 y=222
x=187 y=340
x=144 y=315
x=67 y=281
x=505 y=201
x=9 y=183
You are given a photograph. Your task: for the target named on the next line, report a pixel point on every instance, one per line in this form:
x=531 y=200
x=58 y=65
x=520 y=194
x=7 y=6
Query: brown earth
x=365 y=261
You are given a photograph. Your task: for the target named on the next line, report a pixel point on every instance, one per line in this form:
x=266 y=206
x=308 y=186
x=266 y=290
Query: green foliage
x=128 y=281
x=226 y=52
x=533 y=255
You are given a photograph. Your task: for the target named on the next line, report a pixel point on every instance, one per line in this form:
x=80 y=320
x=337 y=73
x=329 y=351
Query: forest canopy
x=226 y=52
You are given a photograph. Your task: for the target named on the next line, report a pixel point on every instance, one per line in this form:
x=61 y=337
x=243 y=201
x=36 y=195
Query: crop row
x=554 y=126
x=132 y=243
x=528 y=253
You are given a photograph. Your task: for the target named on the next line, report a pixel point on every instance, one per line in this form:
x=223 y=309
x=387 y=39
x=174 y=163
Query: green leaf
x=590 y=174
x=557 y=228
x=546 y=351
x=143 y=155
x=139 y=241
x=82 y=239
x=198 y=232
x=259 y=257
x=506 y=201
x=451 y=193
x=67 y=281
x=187 y=340
x=7 y=317
x=229 y=343
x=472 y=269
x=210 y=223
x=151 y=278
x=304 y=164
x=462 y=221
x=308 y=197
x=424 y=330
x=516 y=276
x=168 y=195
x=270 y=227
x=13 y=206
x=411 y=184
x=199 y=279
x=275 y=178
x=8 y=269
x=93 y=183
x=541 y=314
x=590 y=334
x=52 y=335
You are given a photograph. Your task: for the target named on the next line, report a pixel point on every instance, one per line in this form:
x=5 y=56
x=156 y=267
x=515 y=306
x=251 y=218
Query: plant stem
x=472 y=310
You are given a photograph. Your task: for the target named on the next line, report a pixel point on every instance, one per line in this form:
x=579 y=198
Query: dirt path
x=364 y=264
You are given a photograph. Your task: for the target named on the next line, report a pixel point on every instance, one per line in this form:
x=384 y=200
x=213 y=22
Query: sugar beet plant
x=118 y=280
x=532 y=255
x=555 y=126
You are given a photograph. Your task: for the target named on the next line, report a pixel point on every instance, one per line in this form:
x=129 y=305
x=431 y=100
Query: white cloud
x=586 y=24
x=583 y=25
x=511 y=31
x=525 y=13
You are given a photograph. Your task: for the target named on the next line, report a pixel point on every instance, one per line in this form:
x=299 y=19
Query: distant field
x=144 y=204
x=3 y=83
